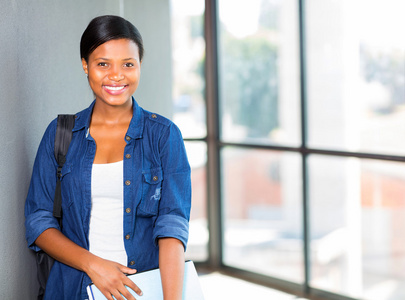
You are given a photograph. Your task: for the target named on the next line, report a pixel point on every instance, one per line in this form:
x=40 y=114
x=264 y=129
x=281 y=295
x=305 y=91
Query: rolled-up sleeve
x=175 y=204
x=39 y=202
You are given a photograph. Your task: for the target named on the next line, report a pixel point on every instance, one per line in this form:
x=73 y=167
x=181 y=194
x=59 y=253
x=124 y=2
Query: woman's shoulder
x=51 y=128
x=159 y=125
x=156 y=118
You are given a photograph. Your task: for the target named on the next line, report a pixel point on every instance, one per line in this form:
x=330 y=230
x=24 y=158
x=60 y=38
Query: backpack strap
x=63 y=137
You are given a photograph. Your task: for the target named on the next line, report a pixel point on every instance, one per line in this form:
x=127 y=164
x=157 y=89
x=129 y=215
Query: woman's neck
x=111 y=115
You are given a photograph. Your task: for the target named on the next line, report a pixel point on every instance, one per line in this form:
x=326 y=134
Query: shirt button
x=155 y=178
x=128 y=138
x=127 y=237
x=154 y=116
x=127 y=155
x=128 y=210
x=131 y=263
x=128 y=182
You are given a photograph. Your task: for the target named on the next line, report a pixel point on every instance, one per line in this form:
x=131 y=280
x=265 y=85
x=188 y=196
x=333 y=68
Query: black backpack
x=63 y=137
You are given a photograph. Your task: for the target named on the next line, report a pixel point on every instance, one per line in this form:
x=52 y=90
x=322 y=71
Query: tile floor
x=217 y=286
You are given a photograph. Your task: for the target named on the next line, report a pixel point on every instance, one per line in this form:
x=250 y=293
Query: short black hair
x=106 y=28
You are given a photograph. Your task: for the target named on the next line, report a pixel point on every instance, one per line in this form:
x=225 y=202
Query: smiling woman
x=119 y=157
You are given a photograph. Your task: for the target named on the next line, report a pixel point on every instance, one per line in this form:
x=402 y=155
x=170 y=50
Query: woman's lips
x=115 y=89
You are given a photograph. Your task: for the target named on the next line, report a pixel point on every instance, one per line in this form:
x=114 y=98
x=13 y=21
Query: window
x=259 y=104
x=356 y=75
x=259 y=72
x=356 y=101
x=261 y=192
x=308 y=138
x=357 y=211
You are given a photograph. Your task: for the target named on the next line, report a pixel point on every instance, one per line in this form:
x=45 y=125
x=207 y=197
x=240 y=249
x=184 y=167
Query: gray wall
x=41 y=76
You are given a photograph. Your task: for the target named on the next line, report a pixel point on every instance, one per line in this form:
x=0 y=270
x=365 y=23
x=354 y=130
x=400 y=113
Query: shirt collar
x=136 y=125
x=135 y=128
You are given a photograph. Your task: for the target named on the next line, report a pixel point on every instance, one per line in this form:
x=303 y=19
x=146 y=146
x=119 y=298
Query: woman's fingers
x=129 y=283
x=123 y=293
x=119 y=294
x=127 y=270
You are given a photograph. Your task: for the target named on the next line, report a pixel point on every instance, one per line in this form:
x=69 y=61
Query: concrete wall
x=41 y=76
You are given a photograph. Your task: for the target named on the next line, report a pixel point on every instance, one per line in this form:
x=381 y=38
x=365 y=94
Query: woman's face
x=114 y=70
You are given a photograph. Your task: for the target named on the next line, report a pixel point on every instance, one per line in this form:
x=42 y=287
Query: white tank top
x=106 y=232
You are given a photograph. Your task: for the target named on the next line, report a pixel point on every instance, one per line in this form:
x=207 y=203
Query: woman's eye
x=129 y=65
x=102 y=64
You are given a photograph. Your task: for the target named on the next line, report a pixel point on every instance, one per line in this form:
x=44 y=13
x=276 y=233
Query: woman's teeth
x=114 y=88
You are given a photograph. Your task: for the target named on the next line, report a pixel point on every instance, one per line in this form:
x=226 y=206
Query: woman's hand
x=109 y=277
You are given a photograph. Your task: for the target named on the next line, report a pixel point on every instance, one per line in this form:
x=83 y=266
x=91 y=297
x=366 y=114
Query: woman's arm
x=107 y=275
x=171 y=265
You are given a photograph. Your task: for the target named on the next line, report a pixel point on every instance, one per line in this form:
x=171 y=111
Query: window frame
x=215 y=145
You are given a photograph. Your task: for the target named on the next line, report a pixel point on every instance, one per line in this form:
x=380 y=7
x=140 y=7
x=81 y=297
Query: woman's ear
x=84 y=64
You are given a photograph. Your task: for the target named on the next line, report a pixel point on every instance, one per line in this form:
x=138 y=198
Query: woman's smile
x=115 y=89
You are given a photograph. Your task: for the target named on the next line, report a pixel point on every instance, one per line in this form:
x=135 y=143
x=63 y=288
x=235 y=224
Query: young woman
x=126 y=190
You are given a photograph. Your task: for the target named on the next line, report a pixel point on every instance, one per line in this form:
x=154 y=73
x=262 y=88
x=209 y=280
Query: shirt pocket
x=151 y=192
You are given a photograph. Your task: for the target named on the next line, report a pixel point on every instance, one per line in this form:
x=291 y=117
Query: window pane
x=262 y=212
x=357 y=210
x=259 y=71
x=188 y=47
x=356 y=75
x=197 y=248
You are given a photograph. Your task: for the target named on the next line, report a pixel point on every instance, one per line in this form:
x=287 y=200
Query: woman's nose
x=115 y=74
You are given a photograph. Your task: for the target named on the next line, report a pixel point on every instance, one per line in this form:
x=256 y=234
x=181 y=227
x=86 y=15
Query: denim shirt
x=157 y=194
